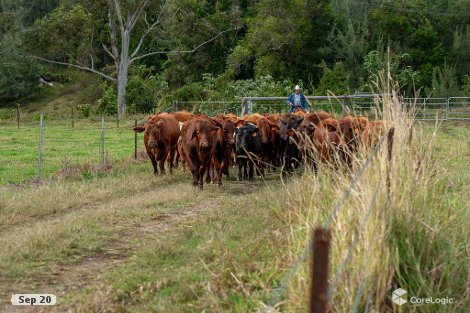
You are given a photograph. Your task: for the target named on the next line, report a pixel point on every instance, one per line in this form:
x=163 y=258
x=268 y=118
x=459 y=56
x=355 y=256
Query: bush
x=108 y=103
x=85 y=109
x=143 y=93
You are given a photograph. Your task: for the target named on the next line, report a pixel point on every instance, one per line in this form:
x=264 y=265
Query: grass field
x=126 y=241
x=63 y=146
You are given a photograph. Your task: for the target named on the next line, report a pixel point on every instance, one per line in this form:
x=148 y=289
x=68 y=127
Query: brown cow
x=311 y=120
x=372 y=133
x=334 y=136
x=161 y=133
x=225 y=140
x=199 y=142
x=268 y=142
x=182 y=116
x=251 y=118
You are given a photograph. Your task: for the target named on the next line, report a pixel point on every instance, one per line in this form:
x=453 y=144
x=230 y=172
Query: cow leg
x=177 y=156
x=222 y=168
x=240 y=165
x=172 y=157
x=154 y=162
x=216 y=165
x=251 y=165
x=202 y=170
x=245 y=166
x=194 y=168
x=161 y=160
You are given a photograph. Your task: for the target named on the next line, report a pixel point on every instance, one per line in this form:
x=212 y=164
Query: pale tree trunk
x=124 y=63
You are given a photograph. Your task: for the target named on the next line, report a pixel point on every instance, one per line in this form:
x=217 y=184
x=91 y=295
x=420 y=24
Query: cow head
x=153 y=131
x=288 y=124
x=204 y=132
x=246 y=136
x=228 y=132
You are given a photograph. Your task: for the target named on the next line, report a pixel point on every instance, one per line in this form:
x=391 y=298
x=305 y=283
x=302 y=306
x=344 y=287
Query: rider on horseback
x=297 y=101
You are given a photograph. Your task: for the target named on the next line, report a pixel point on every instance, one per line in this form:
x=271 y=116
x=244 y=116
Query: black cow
x=290 y=154
x=247 y=146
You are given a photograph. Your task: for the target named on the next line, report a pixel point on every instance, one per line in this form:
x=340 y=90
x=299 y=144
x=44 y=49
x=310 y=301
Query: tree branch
x=117 y=7
x=112 y=32
x=181 y=51
x=149 y=30
x=136 y=14
x=82 y=67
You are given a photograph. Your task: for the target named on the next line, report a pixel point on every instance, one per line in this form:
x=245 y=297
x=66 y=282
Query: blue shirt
x=292 y=99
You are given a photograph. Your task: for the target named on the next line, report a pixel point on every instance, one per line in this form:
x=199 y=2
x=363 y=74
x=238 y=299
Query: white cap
x=297 y=87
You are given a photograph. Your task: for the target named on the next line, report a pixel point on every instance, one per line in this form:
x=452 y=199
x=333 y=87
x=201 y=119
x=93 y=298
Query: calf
x=247 y=146
x=199 y=141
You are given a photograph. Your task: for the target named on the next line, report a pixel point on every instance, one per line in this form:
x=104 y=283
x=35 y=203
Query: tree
x=284 y=39
x=129 y=27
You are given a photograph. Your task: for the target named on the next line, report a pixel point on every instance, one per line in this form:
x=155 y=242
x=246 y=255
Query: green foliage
x=18 y=75
x=107 y=104
x=283 y=39
x=85 y=110
x=377 y=64
x=64 y=35
x=335 y=80
x=444 y=82
x=190 y=92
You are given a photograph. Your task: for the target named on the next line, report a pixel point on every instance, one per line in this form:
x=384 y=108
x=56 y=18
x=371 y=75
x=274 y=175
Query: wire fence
x=40 y=149
x=453 y=108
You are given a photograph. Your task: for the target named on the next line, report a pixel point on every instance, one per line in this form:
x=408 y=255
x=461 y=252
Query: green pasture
x=62 y=146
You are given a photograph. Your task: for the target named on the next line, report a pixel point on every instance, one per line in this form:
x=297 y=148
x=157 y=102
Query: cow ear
x=239 y=123
x=139 y=129
x=217 y=121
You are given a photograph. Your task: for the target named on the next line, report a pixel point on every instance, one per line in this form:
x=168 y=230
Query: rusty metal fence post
x=320 y=267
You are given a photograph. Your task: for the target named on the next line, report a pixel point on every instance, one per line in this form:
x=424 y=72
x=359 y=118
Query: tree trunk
x=123 y=73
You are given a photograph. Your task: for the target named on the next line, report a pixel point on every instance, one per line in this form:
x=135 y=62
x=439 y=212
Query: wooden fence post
x=390 y=135
x=175 y=106
x=320 y=267
x=102 y=142
x=73 y=118
x=18 y=115
x=135 y=142
x=40 y=148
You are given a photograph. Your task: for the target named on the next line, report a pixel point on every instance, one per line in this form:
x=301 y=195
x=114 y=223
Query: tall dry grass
x=394 y=230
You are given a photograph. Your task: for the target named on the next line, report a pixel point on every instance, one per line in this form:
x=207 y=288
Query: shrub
x=85 y=109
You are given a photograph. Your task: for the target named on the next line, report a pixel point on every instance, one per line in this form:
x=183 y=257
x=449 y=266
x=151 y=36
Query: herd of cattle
x=254 y=142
